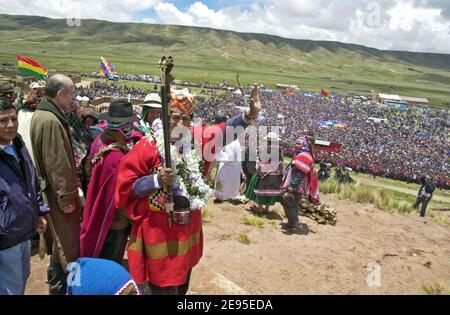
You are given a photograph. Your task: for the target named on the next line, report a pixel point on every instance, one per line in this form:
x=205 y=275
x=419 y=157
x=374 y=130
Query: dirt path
x=410 y=251
x=398 y=189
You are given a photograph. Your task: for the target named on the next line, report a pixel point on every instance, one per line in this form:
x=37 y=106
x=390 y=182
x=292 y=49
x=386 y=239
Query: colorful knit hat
x=182 y=101
x=303 y=144
x=90 y=276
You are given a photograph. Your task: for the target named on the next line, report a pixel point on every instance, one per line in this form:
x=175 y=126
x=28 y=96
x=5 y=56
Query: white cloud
x=399 y=25
x=405 y=27
x=149 y=20
x=111 y=10
x=416 y=25
x=203 y=15
x=169 y=13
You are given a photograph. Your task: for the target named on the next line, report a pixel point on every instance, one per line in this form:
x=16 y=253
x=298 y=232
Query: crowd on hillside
x=100 y=89
x=61 y=165
x=409 y=144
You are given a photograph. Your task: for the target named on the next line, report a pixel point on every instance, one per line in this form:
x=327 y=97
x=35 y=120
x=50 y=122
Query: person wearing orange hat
x=165 y=245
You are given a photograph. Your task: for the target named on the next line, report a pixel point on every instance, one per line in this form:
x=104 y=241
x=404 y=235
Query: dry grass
x=330 y=187
x=436 y=289
x=428 y=264
x=225 y=237
x=253 y=221
x=244 y=239
x=363 y=194
x=284 y=272
x=439 y=218
x=206 y=214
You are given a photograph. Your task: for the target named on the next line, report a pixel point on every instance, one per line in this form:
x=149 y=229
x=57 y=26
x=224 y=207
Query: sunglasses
x=125 y=128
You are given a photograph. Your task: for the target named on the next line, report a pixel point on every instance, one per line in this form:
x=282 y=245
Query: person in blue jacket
x=22 y=208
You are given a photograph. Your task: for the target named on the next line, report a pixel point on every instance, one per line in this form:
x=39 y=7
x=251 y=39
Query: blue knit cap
x=90 y=276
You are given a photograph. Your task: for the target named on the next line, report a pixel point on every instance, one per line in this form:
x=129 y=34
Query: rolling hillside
x=203 y=54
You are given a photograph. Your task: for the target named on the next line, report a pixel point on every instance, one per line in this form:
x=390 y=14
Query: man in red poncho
x=159 y=253
x=105 y=228
x=301 y=180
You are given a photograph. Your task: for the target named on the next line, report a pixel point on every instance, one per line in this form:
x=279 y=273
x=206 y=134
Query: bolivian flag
x=29 y=67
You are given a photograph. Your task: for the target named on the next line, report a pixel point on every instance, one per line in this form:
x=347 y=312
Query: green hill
x=203 y=54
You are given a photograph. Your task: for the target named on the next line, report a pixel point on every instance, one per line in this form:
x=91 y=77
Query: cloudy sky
x=413 y=25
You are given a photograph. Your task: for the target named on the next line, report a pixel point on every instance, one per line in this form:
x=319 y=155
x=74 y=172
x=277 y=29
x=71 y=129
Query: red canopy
x=331 y=148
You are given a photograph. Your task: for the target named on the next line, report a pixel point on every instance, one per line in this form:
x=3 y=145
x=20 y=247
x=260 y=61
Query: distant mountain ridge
x=210 y=55
x=147 y=33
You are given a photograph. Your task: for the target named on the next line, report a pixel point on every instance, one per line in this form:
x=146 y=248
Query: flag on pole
x=325 y=93
x=30 y=67
x=106 y=68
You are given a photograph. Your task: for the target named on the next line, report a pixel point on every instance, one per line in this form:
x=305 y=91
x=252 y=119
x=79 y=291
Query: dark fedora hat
x=6 y=87
x=120 y=111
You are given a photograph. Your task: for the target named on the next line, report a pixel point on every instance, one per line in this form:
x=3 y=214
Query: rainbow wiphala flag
x=106 y=67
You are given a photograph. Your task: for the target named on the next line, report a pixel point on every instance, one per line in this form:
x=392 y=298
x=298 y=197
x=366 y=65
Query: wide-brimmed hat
x=120 y=111
x=37 y=85
x=153 y=100
x=6 y=87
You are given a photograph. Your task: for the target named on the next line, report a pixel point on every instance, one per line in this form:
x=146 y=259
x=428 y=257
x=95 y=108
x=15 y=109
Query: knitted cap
x=90 y=276
x=182 y=101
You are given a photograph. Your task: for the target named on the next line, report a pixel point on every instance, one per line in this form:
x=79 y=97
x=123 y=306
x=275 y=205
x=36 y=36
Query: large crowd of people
x=402 y=144
x=108 y=172
x=405 y=145
x=113 y=179
x=101 y=89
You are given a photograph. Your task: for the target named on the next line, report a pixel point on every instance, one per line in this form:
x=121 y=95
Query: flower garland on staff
x=189 y=180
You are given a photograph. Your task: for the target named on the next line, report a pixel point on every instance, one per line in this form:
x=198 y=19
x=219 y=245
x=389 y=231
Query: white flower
x=192 y=160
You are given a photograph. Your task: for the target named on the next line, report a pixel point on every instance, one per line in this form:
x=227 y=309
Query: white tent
x=377 y=120
x=323 y=143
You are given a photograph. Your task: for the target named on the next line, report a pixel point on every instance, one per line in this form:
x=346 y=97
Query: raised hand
x=255 y=103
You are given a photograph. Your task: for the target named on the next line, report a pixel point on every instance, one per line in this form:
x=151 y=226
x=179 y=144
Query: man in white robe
x=228 y=179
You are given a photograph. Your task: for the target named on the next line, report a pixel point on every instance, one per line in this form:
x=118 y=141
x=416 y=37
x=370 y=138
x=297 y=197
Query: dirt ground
x=410 y=250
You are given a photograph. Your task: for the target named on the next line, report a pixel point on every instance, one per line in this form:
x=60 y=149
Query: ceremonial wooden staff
x=255 y=85
x=166 y=65
x=240 y=88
